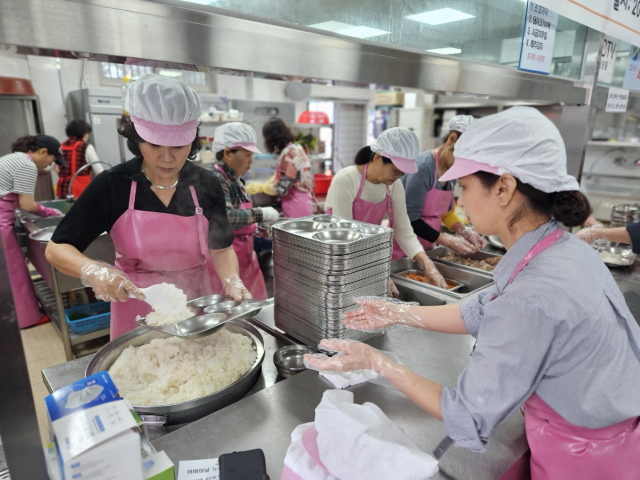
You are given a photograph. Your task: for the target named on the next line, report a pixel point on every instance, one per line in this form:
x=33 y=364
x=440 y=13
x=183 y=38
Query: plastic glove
x=456 y=243
x=392 y=292
x=472 y=237
x=591 y=234
x=269 y=215
x=352 y=356
x=234 y=287
x=46 y=211
x=109 y=283
x=430 y=271
x=377 y=314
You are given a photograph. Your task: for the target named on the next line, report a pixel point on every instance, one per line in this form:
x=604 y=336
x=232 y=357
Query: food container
x=453 y=285
x=289 y=360
x=615 y=254
x=184 y=412
x=437 y=254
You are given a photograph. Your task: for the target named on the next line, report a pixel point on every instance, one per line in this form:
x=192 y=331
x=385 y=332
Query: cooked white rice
x=175 y=310
x=172 y=370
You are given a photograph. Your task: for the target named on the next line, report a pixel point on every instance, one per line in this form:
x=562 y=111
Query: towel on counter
x=348 y=441
x=346 y=379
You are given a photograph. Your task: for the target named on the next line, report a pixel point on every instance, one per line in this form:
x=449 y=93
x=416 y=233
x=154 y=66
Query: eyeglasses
x=397 y=173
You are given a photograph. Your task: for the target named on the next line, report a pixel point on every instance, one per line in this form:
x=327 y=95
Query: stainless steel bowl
x=221 y=306
x=208 y=300
x=372 y=230
x=43 y=235
x=345 y=224
x=303 y=226
x=338 y=236
x=184 y=412
x=326 y=218
x=289 y=360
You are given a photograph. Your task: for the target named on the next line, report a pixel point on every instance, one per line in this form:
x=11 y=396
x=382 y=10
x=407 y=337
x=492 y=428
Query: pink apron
x=436 y=204
x=296 y=203
x=250 y=272
x=369 y=212
x=24 y=296
x=153 y=248
x=560 y=450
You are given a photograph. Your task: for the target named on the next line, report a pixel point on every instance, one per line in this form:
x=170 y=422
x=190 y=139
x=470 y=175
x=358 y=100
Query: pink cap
x=252 y=147
x=405 y=164
x=166 y=135
x=463 y=167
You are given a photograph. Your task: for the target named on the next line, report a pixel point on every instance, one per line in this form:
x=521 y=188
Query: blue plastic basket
x=100 y=317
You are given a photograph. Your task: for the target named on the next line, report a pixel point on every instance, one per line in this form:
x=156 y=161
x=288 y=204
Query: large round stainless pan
x=192 y=410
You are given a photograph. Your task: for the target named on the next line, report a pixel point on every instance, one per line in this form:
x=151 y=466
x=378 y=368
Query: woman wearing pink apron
x=166 y=216
x=235 y=144
x=554 y=334
x=294 y=176
x=375 y=175
x=18 y=175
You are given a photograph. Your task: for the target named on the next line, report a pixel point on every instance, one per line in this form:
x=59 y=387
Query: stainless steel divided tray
x=335 y=279
x=439 y=252
x=472 y=282
x=293 y=325
x=323 y=286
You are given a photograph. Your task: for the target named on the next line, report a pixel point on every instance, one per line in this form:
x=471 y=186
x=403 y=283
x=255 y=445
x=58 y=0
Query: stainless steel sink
x=472 y=282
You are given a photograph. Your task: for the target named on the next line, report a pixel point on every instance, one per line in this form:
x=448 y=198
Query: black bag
x=249 y=465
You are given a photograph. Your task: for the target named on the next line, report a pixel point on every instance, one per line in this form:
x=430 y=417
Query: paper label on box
x=82 y=430
x=199 y=470
x=617 y=100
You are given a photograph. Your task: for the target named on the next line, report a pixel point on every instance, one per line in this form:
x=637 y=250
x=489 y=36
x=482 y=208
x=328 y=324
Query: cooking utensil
x=184 y=412
x=289 y=359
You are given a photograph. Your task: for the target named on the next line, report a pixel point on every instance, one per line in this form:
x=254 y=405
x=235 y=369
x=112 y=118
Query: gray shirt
x=417 y=185
x=562 y=329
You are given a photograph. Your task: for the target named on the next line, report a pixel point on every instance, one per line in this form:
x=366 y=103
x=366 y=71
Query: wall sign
x=631 y=80
x=538 y=38
x=617 y=100
x=608 y=59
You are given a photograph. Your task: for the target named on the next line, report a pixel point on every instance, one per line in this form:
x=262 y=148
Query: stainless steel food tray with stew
x=439 y=252
x=471 y=282
x=184 y=412
x=210 y=314
x=615 y=254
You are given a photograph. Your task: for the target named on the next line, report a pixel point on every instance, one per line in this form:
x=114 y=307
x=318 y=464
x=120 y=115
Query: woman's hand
x=109 y=283
x=430 y=271
x=593 y=233
x=234 y=287
x=392 y=291
x=352 y=355
x=377 y=314
x=456 y=243
x=472 y=237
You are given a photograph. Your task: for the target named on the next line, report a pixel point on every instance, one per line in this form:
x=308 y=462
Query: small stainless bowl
x=208 y=300
x=345 y=224
x=338 y=236
x=326 y=218
x=289 y=360
x=303 y=226
x=372 y=230
x=221 y=307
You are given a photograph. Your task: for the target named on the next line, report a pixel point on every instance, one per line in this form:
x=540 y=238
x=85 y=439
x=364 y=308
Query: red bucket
x=322 y=183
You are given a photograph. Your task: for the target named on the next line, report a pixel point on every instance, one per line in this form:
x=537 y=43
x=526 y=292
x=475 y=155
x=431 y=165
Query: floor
x=43 y=348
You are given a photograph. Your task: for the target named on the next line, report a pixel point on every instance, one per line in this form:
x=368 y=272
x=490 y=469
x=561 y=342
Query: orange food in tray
x=421 y=278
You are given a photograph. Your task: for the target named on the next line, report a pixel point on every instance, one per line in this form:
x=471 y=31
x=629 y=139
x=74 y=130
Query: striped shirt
x=18 y=174
x=235 y=193
x=562 y=329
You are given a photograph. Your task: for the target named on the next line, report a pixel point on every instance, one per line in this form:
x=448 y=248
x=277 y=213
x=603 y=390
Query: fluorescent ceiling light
x=445 y=50
x=349 y=30
x=438 y=17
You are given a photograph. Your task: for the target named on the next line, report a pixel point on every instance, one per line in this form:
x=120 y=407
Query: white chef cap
x=460 y=123
x=235 y=135
x=401 y=146
x=520 y=141
x=164 y=111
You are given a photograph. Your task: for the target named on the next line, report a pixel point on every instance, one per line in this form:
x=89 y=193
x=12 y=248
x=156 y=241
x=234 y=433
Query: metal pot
x=192 y=410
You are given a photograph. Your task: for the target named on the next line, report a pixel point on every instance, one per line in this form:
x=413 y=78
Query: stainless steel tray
x=614 y=254
x=206 y=321
x=325 y=287
x=437 y=253
x=192 y=410
x=335 y=279
x=471 y=280
x=455 y=286
x=330 y=300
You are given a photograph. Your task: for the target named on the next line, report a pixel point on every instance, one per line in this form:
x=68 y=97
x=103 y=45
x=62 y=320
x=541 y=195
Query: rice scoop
x=169 y=305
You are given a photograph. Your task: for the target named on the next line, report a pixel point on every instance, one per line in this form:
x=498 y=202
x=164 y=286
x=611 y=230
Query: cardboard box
x=389 y=98
x=158 y=467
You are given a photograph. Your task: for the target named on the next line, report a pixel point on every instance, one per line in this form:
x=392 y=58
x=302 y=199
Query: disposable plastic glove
x=108 y=283
x=431 y=273
x=269 y=215
x=456 y=243
x=234 y=287
x=377 y=314
x=392 y=292
x=46 y=211
x=472 y=237
x=591 y=234
x=352 y=356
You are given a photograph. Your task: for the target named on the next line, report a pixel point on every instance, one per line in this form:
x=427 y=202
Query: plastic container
x=322 y=183
x=86 y=318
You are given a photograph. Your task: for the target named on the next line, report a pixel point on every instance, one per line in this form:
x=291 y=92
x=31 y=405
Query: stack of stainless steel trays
x=321 y=264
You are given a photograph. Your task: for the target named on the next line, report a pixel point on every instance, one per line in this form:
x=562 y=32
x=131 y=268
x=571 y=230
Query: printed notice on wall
x=538 y=38
x=607 y=59
x=617 y=100
x=632 y=74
